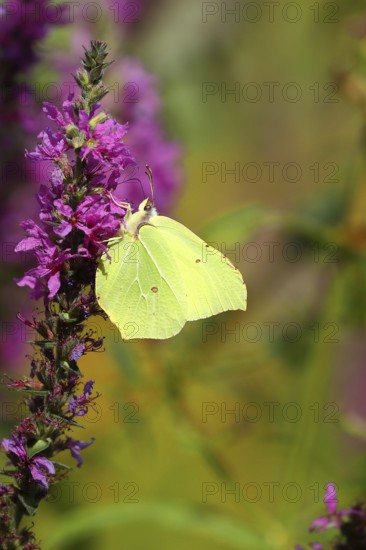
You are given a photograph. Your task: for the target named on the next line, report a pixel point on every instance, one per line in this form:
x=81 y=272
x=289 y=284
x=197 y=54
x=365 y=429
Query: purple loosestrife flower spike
x=77 y=215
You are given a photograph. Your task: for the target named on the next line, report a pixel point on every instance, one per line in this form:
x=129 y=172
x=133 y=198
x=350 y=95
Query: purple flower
x=92 y=217
x=53 y=147
x=68 y=116
x=39 y=467
x=101 y=139
x=50 y=263
x=78 y=352
x=75 y=448
x=78 y=406
x=335 y=517
x=61 y=119
x=105 y=141
x=15 y=446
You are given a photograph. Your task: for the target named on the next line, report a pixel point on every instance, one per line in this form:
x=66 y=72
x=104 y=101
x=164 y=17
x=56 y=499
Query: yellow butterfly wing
x=163 y=277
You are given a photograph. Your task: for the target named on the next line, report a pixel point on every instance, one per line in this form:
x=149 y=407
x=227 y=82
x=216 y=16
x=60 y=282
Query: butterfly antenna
x=136 y=180
x=149 y=174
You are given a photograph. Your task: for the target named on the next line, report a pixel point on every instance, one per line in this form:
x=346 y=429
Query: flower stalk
x=77 y=215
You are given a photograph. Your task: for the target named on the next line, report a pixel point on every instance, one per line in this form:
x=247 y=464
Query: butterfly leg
x=125 y=205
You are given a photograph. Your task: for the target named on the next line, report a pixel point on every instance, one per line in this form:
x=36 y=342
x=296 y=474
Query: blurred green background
x=171 y=467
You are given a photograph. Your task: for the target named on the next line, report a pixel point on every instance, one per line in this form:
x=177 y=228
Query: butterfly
x=157 y=275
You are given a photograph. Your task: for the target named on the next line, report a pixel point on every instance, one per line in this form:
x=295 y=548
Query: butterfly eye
x=148 y=207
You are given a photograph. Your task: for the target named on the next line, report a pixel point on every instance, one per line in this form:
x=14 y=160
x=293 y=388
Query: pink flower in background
x=148 y=140
x=22 y=26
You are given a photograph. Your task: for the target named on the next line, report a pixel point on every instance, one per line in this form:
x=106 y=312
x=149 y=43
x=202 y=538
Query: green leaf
x=30 y=505
x=46 y=344
x=30 y=391
x=38 y=447
x=66 y=366
x=66 y=318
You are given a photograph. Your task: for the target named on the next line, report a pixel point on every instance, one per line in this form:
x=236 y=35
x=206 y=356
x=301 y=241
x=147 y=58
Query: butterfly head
x=147 y=208
x=133 y=222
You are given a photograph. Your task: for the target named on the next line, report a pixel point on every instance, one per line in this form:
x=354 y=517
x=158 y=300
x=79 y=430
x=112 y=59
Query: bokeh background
x=274 y=174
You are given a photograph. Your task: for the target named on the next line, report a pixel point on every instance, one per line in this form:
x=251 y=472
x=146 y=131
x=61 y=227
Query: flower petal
x=37 y=468
x=330 y=498
x=54 y=284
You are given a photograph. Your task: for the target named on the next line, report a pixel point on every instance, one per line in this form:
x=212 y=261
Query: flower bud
x=98 y=119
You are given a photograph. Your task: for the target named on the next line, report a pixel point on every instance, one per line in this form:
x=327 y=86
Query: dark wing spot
x=198 y=261
x=154 y=289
